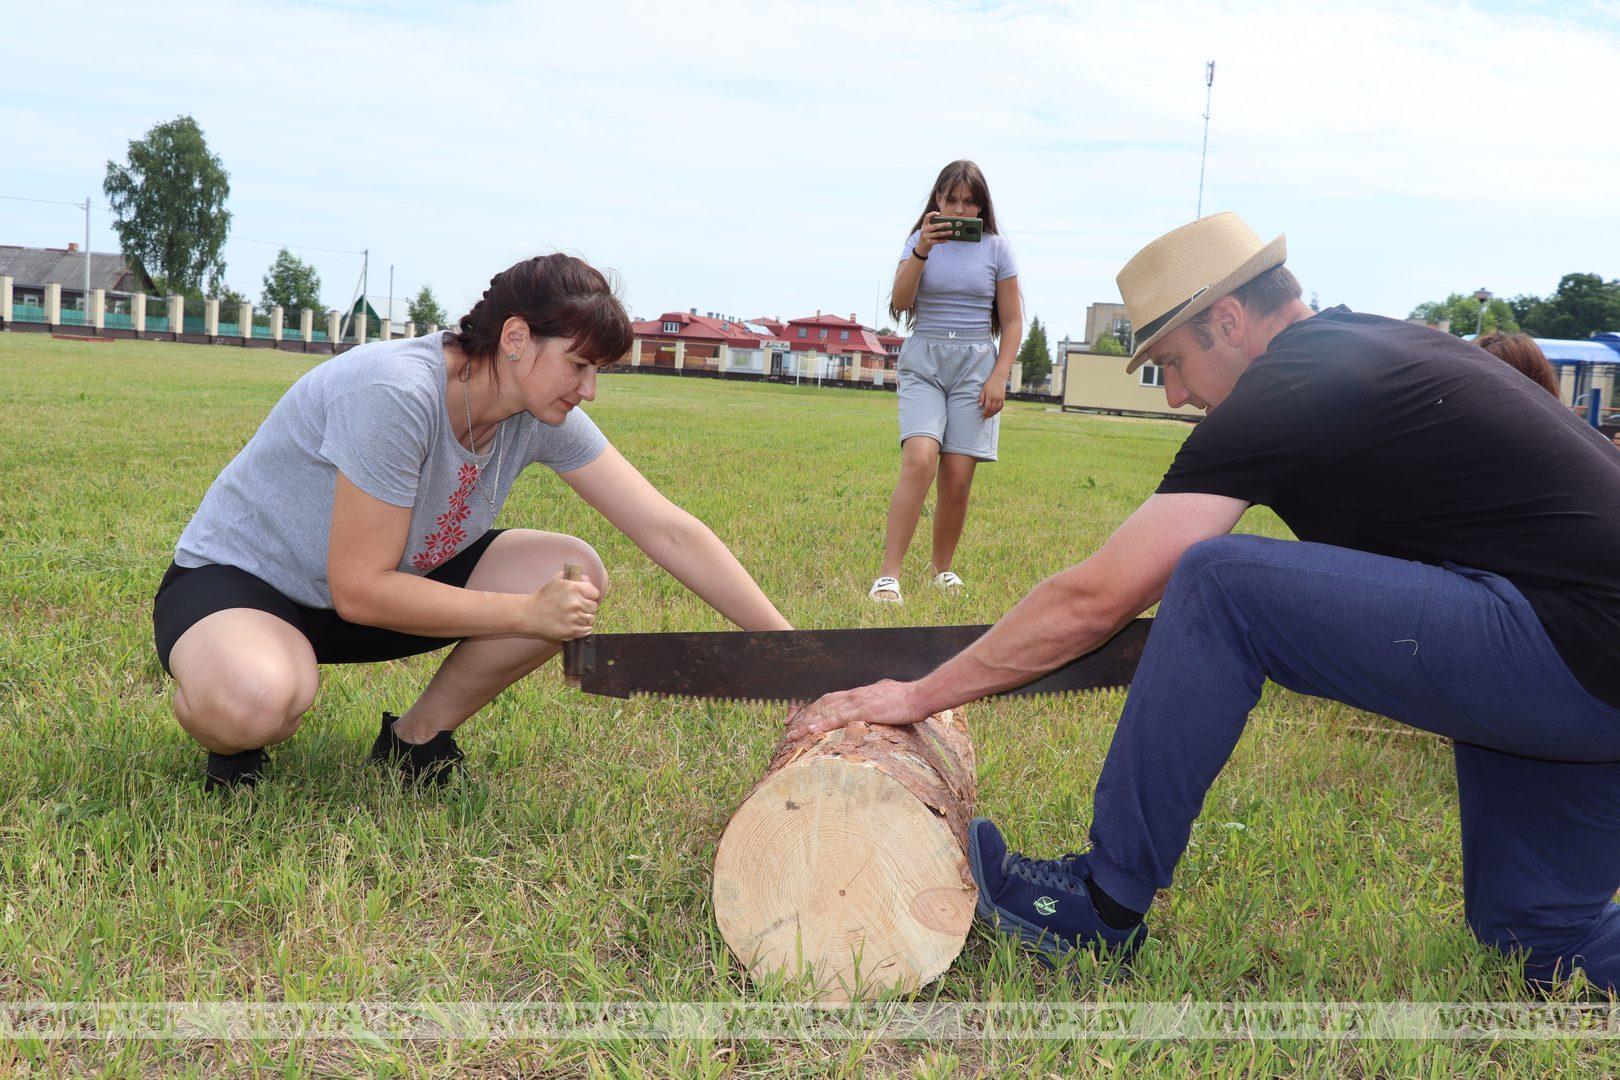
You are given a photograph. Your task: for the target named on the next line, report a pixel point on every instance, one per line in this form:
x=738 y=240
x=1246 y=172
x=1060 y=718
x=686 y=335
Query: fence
x=118 y=319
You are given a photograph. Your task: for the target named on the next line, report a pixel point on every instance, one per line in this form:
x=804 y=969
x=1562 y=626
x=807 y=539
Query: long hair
x=1521 y=352
x=558 y=296
x=957 y=172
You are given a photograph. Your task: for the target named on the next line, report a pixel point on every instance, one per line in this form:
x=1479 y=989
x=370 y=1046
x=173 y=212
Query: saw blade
x=802 y=665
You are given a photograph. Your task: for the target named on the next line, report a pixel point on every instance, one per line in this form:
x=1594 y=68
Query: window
x=672 y=328
x=804 y=331
x=822 y=334
x=1151 y=375
x=843 y=335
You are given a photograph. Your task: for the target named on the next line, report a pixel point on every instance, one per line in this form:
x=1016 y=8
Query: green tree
x=1034 y=355
x=1582 y=305
x=1108 y=345
x=168 y=200
x=1463 y=311
x=291 y=284
x=425 y=309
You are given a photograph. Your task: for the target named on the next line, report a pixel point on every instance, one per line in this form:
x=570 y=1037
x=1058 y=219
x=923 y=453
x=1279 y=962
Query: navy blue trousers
x=1454 y=651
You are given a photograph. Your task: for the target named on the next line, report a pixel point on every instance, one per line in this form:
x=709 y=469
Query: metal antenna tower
x=1209 y=92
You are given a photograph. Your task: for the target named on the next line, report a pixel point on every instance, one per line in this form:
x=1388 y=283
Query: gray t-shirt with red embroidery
x=378 y=414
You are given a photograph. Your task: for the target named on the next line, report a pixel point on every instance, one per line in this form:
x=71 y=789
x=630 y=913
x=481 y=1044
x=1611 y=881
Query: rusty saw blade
x=801 y=665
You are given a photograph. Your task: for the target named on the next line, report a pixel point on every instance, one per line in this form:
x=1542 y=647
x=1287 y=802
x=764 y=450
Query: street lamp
x=1482 y=295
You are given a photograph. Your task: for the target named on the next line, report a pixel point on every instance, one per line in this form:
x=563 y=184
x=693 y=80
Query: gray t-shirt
x=377 y=414
x=959 y=283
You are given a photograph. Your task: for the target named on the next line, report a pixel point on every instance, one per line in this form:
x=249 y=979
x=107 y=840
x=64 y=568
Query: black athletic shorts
x=189 y=594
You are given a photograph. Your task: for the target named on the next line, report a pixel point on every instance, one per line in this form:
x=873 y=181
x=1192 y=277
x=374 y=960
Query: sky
x=760 y=159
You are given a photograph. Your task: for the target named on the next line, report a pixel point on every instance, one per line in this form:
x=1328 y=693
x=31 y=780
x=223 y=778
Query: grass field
x=573 y=863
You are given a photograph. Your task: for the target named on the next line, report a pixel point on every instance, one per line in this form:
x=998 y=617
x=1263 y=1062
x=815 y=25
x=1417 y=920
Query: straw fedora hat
x=1186 y=270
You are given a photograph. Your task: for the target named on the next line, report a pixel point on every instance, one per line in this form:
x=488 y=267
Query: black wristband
x=924 y=258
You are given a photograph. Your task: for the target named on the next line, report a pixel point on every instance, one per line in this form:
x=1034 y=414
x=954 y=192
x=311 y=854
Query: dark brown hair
x=1522 y=353
x=957 y=172
x=1260 y=296
x=558 y=296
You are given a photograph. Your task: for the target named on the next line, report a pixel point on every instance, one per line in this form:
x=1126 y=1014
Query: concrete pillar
x=725 y=356
x=53 y=305
x=360 y=328
x=385 y=329
x=433 y=328
x=306 y=324
x=96 y=311
x=177 y=313
x=334 y=324
x=5 y=298
x=1017 y=378
x=137 y=312
x=680 y=355
x=277 y=321
x=635 y=352
x=211 y=318
x=244 y=320
x=410 y=328
x=853 y=372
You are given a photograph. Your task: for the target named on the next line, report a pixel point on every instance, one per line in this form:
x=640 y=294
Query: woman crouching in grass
x=356 y=526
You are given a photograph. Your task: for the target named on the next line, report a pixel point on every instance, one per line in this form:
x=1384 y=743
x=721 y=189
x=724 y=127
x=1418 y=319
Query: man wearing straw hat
x=1457 y=569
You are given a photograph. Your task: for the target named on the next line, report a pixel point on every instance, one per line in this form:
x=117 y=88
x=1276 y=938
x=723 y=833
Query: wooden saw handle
x=572 y=572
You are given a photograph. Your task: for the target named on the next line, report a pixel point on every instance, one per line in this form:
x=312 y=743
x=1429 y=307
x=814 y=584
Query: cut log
x=846 y=865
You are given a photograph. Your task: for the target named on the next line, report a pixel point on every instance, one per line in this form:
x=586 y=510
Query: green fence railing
x=229 y=329
x=157 y=324
x=71 y=317
x=317 y=335
x=27 y=313
x=195 y=324
x=261 y=331
x=117 y=320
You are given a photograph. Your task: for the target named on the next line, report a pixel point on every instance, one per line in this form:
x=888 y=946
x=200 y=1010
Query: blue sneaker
x=1043 y=903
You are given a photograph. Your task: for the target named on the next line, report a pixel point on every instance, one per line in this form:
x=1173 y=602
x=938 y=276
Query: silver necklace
x=500 y=447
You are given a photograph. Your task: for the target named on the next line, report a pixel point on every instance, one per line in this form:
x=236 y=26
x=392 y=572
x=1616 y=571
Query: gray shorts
x=940 y=377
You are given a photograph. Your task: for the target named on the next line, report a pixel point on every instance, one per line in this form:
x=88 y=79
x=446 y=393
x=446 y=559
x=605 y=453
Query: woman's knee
x=586 y=558
x=258 y=703
x=523 y=560
x=919 y=458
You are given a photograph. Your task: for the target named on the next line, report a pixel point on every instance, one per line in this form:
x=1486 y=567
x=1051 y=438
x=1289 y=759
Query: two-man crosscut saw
x=802 y=665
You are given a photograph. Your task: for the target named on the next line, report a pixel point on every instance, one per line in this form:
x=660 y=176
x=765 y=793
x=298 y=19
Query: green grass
x=573 y=864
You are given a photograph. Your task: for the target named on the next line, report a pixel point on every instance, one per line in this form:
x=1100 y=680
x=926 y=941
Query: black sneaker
x=432 y=762
x=1042 y=903
x=226 y=772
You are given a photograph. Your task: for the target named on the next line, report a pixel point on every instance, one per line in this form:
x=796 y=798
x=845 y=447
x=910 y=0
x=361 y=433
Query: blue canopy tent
x=1595 y=364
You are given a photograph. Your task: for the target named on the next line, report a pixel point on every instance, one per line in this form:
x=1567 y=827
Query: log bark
x=846 y=865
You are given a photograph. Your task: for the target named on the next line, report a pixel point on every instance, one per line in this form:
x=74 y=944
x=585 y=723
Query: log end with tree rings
x=844 y=871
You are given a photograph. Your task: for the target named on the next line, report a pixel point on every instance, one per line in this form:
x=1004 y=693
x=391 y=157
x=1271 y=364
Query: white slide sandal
x=885 y=585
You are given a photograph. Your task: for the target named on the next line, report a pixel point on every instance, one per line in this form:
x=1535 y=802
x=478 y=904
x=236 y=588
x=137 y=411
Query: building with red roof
x=695 y=340
x=823 y=346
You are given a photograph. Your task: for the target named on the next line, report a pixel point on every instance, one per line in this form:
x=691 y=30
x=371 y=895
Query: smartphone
x=970 y=229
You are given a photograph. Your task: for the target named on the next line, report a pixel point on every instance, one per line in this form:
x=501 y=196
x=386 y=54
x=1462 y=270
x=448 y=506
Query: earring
x=512 y=357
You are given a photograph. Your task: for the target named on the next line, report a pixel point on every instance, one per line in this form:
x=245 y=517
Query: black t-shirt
x=1391 y=438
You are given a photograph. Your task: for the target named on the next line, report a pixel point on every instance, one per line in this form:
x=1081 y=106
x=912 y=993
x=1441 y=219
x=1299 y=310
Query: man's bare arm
x=1065 y=616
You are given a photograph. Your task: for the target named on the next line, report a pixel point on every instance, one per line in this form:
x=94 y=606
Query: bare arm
x=362 y=567
x=1010 y=307
x=674 y=539
x=910 y=272
x=906 y=280
x=1065 y=616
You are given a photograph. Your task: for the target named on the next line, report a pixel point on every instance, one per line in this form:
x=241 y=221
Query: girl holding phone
x=962 y=305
